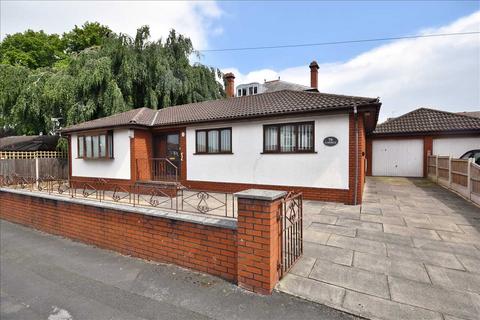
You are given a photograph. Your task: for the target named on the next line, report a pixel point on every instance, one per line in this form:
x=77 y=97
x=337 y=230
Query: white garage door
x=397 y=158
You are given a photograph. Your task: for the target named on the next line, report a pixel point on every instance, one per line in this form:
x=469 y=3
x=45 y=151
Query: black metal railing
x=290 y=231
x=156 y=169
x=172 y=197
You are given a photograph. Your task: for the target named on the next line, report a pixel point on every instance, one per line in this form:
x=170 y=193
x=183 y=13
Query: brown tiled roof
x=425 y=120
x=475 y=114
x=274 y=103
x=29 y=143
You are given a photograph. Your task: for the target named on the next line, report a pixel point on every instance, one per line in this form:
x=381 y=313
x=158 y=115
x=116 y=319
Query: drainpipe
x=355 y=114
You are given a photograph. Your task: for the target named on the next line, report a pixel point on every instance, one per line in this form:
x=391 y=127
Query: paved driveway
x=411 y=251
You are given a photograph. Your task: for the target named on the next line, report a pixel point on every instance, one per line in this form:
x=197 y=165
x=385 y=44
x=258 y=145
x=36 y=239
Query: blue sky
x=441 y=73
x=251 y=23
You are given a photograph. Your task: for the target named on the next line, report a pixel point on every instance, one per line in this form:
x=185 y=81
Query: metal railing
x=173 y=197
x=156 y=169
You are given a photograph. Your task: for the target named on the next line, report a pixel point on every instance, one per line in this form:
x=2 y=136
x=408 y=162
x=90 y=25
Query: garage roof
x=424 y=120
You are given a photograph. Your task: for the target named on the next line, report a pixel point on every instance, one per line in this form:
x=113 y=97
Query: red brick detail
x=258 y=244
x=361 y=159
x=427 y=150
x=321 y=194
x=207 y=249
x=369 y=156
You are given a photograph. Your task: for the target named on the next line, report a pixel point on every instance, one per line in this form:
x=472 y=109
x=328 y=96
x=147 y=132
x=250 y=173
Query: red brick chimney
x=314 y=74
x=229 y=79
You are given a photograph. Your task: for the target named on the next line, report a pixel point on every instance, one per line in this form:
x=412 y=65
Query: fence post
x=436 y=168
x=469 y=177
x=449 y=171
x=258 y=231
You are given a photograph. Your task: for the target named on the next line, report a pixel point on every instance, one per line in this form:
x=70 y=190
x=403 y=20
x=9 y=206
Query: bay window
x=289 y=138
x=95 y=146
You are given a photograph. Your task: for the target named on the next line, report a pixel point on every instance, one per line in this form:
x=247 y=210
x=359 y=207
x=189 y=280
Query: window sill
x=292 y=152
x=103 y=159
x=211 y=154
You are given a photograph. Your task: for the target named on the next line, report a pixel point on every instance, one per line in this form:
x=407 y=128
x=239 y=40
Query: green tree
x=88 y=35
x=32 y=49
x=118 y=74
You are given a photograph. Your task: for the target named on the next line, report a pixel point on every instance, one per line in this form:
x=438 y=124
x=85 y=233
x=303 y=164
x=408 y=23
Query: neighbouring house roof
x=282 y=102
x=475 y=114
x=424 y=120
x=29 y=143
x=278 y=85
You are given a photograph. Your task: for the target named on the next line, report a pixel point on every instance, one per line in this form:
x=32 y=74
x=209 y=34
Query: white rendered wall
x=116 y=168
x=328 y=168
x=455 y=147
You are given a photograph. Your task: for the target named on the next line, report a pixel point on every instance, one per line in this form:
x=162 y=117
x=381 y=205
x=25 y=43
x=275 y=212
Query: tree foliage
x=100 y=73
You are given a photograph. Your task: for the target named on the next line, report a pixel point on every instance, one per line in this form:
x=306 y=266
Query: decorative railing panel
x=156 y=169
x=168 y=197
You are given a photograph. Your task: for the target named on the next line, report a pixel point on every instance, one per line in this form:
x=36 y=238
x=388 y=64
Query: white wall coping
x=210 y=220
x=260 y=194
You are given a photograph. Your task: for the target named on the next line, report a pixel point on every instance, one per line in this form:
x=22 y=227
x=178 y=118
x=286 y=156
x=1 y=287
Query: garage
x=398 y=158
x=399 y=147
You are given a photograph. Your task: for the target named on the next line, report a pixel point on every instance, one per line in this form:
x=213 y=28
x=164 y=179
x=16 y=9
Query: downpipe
x=355 y=115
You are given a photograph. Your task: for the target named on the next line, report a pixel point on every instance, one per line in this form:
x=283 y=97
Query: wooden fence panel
x=460 y=172
x=57 y=167
x=443 y=167
x=475 y=178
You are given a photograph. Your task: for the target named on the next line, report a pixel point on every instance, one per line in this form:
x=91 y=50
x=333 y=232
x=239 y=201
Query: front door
x=167 y=161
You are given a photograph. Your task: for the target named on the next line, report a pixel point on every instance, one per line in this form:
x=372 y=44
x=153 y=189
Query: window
x=239 y=92
x=244 y=91
x=255 y=90
x=289 y=138
x=98 y=146
x=214 y=141
x=250 y=90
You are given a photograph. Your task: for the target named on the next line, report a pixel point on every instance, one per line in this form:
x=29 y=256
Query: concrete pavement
x=411 y=251
x=48 y=277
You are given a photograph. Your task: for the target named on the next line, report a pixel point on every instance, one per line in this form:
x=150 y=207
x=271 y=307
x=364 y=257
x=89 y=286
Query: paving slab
x=334 y=254
x=444 y=246
x=358 y=244
x=459 y=237
x=471 y=264
x=312 y=235
x=373 y=307
x=328 y=228
x=303 y=266
x=382 y=219
x=312 y=290
x=454 y=302
x=407 y=269
x=357 y=224
x=443 y=259
x=350 y=278
x=411 y=232
x=381 y=236
x=460 y=280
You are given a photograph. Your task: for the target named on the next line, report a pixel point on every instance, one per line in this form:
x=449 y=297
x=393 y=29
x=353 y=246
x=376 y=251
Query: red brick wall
x=205 y=248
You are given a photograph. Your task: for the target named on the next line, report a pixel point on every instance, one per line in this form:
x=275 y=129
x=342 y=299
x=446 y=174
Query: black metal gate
x=290 y=232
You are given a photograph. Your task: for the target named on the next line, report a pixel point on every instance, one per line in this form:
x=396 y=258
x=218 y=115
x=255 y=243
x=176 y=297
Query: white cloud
x=194 y=19
x=440 y=72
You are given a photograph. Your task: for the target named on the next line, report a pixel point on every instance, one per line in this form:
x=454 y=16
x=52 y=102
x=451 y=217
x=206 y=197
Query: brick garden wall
x=204 y=248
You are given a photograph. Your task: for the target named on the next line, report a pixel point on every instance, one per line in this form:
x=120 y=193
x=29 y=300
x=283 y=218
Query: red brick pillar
x=258 y=239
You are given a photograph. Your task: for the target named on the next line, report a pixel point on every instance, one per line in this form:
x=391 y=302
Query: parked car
x=475 y=154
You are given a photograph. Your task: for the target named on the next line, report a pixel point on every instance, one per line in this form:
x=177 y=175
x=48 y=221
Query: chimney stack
x=229 y=84
x=314 y=74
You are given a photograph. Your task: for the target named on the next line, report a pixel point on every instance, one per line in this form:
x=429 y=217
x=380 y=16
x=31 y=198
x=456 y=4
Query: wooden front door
x=167 y=156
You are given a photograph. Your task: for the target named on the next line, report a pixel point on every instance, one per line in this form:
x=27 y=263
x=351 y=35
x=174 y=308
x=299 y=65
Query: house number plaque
x=330 y=141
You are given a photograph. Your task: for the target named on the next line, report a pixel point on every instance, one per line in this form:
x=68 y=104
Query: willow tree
x=114 y=75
